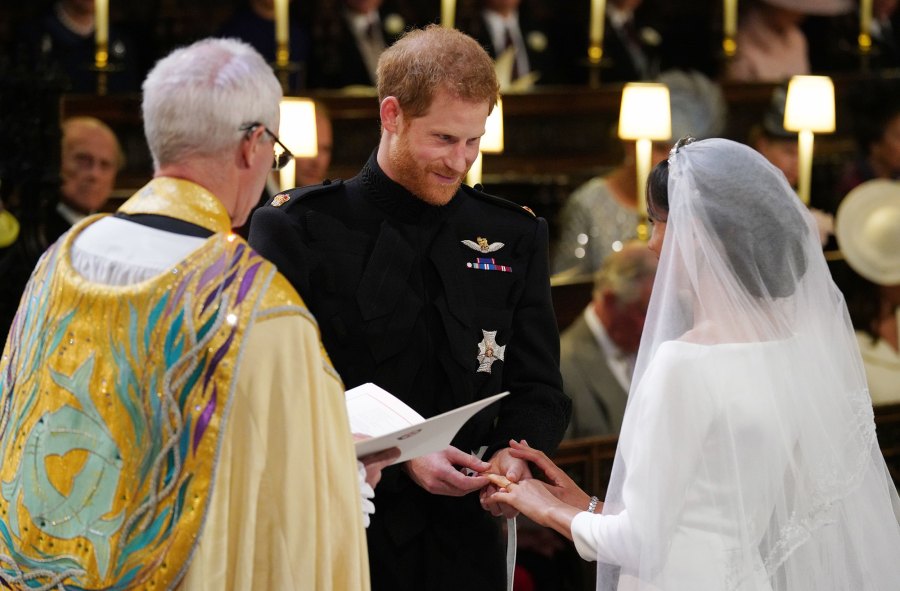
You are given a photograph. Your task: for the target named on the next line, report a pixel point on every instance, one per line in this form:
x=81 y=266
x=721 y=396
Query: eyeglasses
x=281 y=158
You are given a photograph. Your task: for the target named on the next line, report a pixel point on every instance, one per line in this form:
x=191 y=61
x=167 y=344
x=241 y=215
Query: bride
x=747 y=458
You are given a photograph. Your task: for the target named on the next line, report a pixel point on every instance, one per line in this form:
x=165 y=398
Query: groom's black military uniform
x=440 y=306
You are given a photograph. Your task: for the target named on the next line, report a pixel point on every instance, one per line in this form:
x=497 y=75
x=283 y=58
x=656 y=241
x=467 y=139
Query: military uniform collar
x=180 y=199
x=394 y=199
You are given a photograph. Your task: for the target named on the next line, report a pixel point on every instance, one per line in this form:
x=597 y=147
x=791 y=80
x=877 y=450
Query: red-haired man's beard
x=418 y=177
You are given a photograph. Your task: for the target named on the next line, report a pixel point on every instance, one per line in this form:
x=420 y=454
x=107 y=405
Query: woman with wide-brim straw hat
x=868 y=233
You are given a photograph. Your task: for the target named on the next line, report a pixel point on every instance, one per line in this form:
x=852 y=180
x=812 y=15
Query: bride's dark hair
x=761 y=235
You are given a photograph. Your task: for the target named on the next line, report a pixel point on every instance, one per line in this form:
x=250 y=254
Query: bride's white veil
x=741 y=267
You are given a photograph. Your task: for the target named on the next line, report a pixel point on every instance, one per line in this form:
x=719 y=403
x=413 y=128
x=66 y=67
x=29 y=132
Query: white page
x=374 y=411
x=413 y=438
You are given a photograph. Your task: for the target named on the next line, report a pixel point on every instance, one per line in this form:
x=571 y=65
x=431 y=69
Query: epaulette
x=479 y=194
x=285 y=198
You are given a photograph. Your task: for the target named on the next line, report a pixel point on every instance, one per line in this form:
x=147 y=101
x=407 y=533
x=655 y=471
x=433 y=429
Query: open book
x=391 y=423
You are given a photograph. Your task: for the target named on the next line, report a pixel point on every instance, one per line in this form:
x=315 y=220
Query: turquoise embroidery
x=82 y=512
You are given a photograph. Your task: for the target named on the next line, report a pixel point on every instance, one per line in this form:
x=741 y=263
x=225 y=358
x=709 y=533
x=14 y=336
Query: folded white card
x=389 y=422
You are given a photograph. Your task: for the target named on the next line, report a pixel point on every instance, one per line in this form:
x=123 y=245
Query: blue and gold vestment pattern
x=112 y=399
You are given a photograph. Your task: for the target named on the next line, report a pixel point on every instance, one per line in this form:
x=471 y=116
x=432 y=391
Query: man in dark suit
x=504 y=24
x=348 y=41
x=599 y=349
x=630 y=44
x=438 y=293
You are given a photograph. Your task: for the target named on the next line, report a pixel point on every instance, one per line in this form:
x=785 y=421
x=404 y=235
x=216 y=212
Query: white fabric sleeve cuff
x=366 y=492
x=583 y=535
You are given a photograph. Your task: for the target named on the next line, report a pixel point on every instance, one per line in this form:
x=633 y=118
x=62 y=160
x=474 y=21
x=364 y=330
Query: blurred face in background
x=626 y=5
x=90 y=161
x=884 y=9
x=79 y=7
x=503 y=7
x=783 y=153
x=885 y=153
x=363 y=6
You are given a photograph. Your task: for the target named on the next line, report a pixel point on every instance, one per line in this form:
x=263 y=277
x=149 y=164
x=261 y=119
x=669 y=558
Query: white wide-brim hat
x=867 y=227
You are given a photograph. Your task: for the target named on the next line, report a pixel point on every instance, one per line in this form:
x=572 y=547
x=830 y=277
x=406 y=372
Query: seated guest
x=64 y=38
x=630 y=43
x=772 y=140
x=867 y=223
x=834 y=41
x=780 y=147
x=508 y=25
x=771 y=46
x=348 y=40
x=598 y=351
x=876 y=124
x=603 y=212
x=90 y=159
x=254 y=22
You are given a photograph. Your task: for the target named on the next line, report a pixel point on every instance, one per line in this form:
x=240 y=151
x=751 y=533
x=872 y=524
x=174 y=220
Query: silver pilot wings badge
x=481 y=244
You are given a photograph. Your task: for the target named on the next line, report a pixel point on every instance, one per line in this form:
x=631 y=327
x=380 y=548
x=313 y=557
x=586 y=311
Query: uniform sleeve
x=285 y=512
x=537 y=409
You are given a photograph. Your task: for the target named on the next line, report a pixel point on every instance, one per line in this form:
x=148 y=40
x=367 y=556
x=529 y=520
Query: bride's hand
x=558 y=482
x=534 y=499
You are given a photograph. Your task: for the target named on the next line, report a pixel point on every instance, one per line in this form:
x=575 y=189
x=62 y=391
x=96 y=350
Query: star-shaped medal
x=489 y=351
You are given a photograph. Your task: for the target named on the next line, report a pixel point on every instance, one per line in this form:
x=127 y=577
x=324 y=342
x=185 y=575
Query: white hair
x=198 y=97
x=625 y=272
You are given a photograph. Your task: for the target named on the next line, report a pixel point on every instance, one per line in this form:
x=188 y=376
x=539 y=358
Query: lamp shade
x=297 y=131
x=645 y=112
x=298 y=126
x=810 y=104
x=492 y=140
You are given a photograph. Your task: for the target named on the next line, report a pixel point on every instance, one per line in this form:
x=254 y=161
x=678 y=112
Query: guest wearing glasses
x=91 y=158
x=210 y=443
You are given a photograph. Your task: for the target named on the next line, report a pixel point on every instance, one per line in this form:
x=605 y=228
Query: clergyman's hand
x=439 y=473
x=376 y=462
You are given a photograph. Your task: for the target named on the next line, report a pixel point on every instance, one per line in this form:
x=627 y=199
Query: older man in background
x=598 y=351
x=90 y=160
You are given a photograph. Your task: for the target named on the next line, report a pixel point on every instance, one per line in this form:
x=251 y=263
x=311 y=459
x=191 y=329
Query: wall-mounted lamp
x=808 y=109
x=297 y=131
x=491 y=142
x=645 y=116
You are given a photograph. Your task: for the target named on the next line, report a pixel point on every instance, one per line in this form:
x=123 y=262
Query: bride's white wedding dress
x=675 y=469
